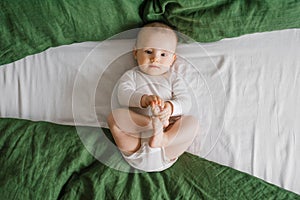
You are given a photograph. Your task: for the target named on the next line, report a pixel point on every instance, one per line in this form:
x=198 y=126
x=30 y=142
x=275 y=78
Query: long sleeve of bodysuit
x=181 y=99
x=127 y=94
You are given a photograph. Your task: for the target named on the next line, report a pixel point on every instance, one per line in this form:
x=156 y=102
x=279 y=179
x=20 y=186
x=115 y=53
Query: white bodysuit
x=170 y=87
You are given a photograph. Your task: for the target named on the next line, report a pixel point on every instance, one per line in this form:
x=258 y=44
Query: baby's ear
x=134 y=52
x=174 y=57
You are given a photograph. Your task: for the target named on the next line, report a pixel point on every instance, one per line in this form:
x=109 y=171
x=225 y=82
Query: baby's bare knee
x=110 y=119
x=115 y=114
x=192 y=123
x=191 y=120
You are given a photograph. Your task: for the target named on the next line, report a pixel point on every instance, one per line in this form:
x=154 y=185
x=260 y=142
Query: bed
x=60 y=61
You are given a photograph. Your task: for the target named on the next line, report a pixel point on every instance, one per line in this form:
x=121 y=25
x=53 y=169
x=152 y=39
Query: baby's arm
x=127 y=91
x=181 y=99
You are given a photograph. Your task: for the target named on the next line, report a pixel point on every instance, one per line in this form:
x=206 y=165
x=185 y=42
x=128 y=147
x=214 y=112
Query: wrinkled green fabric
x=31 y=26
x=41 y=160
x=212 y=20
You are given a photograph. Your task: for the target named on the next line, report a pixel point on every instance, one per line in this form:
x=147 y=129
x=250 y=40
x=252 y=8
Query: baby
x=152 y=129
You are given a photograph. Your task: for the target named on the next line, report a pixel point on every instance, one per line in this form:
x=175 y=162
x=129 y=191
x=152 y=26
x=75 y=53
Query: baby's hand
x=148 y=100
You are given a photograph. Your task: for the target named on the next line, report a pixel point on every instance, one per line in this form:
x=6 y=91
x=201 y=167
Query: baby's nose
x=154 y=59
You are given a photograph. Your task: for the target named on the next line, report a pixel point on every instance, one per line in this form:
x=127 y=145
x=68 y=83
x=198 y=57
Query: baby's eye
x=148 y=51
x=164 y=54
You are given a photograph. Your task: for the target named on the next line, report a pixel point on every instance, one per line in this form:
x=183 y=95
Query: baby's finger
x=153 y=98
x=162 y=105
x=152 y=104
x=158 y=101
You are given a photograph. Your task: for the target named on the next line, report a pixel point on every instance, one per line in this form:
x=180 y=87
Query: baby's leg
x=125 y=126
x=180 y=136
x=157 y=140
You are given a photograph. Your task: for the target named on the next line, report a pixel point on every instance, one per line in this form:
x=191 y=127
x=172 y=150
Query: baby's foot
x=155 y=112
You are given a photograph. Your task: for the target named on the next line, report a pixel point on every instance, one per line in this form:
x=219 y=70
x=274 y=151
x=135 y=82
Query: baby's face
x=155 y=52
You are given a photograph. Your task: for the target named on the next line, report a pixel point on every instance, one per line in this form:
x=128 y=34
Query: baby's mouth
x=153 y=66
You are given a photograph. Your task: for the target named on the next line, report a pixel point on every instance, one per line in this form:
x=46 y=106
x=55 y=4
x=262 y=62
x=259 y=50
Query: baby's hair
x=161 y=27
x=158 y=24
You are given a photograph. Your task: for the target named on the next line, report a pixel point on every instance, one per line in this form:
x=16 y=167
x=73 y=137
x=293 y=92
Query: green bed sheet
x=31 y=26
x=41 y=160
x=211 y=20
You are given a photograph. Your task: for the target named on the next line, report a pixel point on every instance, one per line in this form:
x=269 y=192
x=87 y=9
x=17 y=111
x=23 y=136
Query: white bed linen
x=257 y=117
